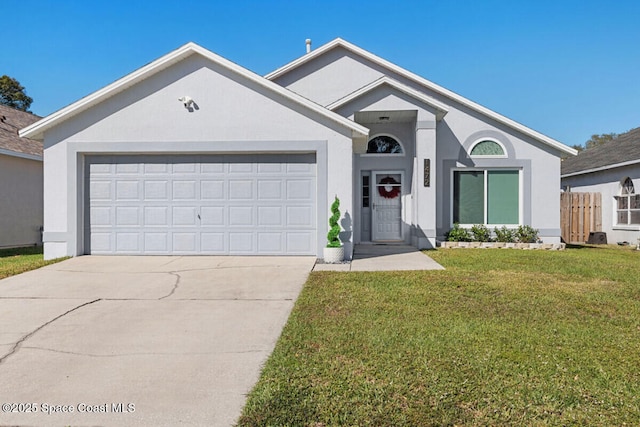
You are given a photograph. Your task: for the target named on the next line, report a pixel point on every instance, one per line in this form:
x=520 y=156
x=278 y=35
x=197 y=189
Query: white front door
x=387 y=206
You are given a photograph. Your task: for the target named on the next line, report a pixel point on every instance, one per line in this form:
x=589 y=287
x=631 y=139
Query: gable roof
x=622 y=151
x=37 y=129
x=423 y=82
x=440 y=108
x=11 y=144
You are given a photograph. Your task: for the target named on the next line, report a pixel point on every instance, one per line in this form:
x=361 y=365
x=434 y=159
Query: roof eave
x=601 y=168
x=36 y=130
x=426 y=83
x=20 y=155
x=441 y=109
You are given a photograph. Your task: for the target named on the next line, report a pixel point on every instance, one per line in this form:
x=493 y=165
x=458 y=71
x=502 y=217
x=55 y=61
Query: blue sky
x=568 y=69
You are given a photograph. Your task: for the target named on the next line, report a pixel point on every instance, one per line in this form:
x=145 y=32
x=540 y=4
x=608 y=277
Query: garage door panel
x=127 y=215
x=213 y=243
x=184 y=242
x=270 y=242
x=241 y=215
x=212 y=189
x=205 y=204
x=300 y=242
x=156 y=242
x=212 y=216
x=156 y=190
x=127 y=190
x=101 y=190
x=300 y=189
x=184 y=190
x=300 y=216
x=156 y=215
x=270 y=216
x=241 y=242
x=241 y=189
x=128 y=241
x=184 y=215
x=270 y=189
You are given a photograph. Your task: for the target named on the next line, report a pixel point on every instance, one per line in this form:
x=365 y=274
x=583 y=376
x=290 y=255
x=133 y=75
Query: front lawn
x=502 y=337
x=18 y=260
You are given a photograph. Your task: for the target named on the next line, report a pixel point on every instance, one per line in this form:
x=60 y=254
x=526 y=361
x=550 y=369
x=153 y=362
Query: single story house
x=194 y=154
x=613 y=170
x=20 y=181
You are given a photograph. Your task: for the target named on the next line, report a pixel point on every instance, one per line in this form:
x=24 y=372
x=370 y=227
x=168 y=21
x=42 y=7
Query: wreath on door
x=390 y=188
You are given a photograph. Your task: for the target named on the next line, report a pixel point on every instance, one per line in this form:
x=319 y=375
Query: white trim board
x=425 y=83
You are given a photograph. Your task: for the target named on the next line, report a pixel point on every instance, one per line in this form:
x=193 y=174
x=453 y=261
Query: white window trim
x=485 y=170
x=487 y=156
x=403 y=154
x=627 y=226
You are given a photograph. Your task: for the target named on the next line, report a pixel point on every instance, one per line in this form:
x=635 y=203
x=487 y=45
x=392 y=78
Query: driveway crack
x=18 y=344
x=175 y=285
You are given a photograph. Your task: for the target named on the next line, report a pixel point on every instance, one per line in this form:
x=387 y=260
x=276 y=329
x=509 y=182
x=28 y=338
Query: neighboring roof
x=440 y=108
x=11 y=144
x=622 y=151
x=423 y=82
x=37 y=130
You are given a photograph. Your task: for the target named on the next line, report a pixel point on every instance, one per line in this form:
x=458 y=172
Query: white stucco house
x=613 y=170
x=20 y=181
x=194 y=154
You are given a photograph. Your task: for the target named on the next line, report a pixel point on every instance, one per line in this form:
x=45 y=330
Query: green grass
x=502 y=337
x=18 y=260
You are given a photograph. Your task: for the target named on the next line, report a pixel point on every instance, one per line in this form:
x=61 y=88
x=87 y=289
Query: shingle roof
x=11 y=121
x=625 y=148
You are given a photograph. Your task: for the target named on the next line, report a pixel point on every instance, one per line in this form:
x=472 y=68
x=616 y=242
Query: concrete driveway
x=141 y=340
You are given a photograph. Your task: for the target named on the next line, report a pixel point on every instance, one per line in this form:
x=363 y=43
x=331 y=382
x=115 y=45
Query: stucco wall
x=608 y=183
x=20 y=201
x=230 y=112
x=460 y=127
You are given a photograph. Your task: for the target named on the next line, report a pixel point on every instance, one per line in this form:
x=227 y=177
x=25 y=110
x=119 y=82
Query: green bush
x=334 y=229
x=504 y=234
x=527 y=234
x=481 y=233
x=458 y=234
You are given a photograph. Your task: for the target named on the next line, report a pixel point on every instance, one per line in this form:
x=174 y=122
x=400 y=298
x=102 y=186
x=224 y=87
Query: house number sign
x=427 y=172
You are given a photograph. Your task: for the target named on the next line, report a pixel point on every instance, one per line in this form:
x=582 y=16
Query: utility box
x=597 y=238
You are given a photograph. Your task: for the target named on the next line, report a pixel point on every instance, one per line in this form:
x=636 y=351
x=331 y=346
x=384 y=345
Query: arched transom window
x=487 y=148
x=384 y=144
x=627 y=204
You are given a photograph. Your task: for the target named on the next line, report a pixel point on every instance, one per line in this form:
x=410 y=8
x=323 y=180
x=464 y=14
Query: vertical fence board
x=580 y=214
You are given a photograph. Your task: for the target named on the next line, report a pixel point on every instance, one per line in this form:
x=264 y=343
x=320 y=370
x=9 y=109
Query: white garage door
x=208 y=204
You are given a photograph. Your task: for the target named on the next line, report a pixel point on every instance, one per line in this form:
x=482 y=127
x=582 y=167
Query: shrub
x=458 y=234
x=527 y=234
x=504 y=234
x=481 y=233
x=334 y=229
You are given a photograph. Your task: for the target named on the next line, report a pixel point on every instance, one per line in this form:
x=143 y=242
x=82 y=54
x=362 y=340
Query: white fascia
x=37 y=129
x=601 y=168
x=441 y=109
x=20 y=155
x=427 y=84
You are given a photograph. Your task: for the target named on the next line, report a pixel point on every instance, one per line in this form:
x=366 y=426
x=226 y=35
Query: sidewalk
x=384 y=258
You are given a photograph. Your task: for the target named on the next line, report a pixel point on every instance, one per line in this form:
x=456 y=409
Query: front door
x=386 y=216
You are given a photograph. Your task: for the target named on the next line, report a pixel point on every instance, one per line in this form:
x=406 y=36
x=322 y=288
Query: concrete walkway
x=384 y=258
x=141 y=341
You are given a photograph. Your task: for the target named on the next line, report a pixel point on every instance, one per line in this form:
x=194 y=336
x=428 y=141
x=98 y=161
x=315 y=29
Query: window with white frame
x=628 y=205
x=490 y=197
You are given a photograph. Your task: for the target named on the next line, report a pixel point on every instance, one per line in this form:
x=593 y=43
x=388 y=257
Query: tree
x=13 y=94
x=597 y=140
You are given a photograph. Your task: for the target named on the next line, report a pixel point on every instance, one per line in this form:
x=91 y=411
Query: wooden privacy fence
x=580 y=214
